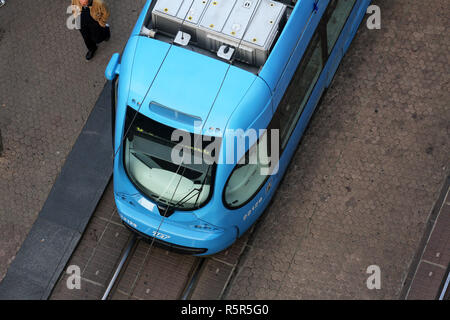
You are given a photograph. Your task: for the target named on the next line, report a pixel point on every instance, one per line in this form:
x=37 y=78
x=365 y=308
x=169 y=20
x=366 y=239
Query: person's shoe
x=90 y=54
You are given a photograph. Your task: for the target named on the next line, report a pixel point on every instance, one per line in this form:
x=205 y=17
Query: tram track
x=116 y=263
x=122 y=263
x=185 y=292
x=188 y=290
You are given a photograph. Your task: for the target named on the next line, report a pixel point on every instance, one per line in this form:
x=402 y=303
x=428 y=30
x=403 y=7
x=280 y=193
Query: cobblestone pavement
x=46 y=94
x=362 y=183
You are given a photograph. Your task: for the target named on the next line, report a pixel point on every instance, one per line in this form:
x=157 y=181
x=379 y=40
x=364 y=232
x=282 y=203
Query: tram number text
x=160 y=235
x=252 y=210
x=131 y=223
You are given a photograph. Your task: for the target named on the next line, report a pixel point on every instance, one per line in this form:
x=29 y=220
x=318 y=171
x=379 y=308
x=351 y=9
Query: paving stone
x=212 y=281
x=97 y=254
x=48 y=91
x=361 y=186
x=156 y=273
x=426 y=282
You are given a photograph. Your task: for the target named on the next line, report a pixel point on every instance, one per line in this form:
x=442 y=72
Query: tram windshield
x=149 y=163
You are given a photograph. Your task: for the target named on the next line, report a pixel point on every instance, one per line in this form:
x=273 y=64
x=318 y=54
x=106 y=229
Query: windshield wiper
x=182 y=200
x=201 y=188
x=195 y=189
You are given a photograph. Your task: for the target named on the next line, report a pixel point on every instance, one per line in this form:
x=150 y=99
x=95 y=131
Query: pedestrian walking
x=2 y=3
x=94 y=15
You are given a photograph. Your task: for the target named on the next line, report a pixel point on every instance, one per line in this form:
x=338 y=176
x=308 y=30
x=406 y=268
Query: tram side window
x=300 y=88
x=338 y=12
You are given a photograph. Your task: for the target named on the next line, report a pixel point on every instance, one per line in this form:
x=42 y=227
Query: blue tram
x=232 y=84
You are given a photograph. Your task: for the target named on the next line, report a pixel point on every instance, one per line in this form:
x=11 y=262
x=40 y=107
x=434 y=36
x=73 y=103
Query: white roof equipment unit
x=246 y=27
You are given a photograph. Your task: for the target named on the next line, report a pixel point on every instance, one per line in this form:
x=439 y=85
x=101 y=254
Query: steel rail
x=190 y=286
x=445 y=288
x=125 y=256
